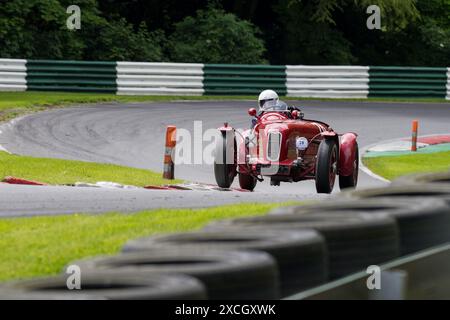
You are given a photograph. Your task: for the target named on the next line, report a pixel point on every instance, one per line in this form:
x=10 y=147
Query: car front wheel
x=326 y=166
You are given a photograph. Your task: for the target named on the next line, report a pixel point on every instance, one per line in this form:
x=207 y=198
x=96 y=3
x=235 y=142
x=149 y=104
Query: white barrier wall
x=13 y=73
x=448 y=84
x=327 y=81
x=145 y=78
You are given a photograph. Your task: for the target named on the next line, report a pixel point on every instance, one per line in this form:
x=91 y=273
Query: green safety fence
x=240 y=79
x=409 y=82
x=75 y=76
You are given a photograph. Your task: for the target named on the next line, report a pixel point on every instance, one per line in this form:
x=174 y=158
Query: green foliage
x=119 y=42
x=414 y=32
x=36 y=29
x=396 y=12
x=214 y=36
x=306 y=41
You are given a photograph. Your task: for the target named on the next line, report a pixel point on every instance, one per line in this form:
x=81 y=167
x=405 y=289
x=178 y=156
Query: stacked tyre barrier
x=13 y=74
x=327 y=81
x=196 y=79
x=408 y=82
x=288 y=251
x=136 y=78
x=73 y=76
x=221 y=79
x=448 y=84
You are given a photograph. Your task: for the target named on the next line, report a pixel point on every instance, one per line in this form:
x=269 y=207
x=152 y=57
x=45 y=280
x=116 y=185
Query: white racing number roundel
x=301 y=143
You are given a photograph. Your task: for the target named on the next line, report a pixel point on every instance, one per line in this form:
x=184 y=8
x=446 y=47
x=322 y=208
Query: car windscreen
x=274 y=106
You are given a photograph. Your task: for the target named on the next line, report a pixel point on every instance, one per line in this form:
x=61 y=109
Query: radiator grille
x=273 y=146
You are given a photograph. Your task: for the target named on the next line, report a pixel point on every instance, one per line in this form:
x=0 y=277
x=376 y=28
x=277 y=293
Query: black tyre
x=108 y=286
x=301 y=256
x=347 y=182
x=353 y=242
x=424 y=227
x=225 y=274
x=422 y=222
x=436 y=178
x=224 y=171
x=398 y=191
x=247 y=182
x=326 y=166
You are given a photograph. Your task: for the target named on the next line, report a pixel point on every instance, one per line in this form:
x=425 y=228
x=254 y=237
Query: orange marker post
x=415 y=128
x=169 y=153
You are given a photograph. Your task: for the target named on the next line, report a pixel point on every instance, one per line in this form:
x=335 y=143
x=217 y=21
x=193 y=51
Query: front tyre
x=326 y=166
x=347 y=182
x=247 y=182
x=225 y=160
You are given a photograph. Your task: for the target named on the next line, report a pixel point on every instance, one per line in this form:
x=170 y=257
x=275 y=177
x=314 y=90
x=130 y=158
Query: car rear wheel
x=225 y=171
x=326 y=166
x=346 y=182
x=247 y=182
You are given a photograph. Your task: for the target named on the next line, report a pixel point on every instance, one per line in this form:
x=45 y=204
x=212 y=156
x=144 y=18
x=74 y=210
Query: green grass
x=13 y=104
x=392 y=167
x=56 y=171
x=39 y=246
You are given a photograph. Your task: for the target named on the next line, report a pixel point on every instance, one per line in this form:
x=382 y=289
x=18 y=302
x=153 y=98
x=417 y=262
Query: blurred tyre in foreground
x=225 y=274
x=353 y=241
x=420 y=191
x=107 y=286
x=436 y=178
x=422 y=222
x=301 y=256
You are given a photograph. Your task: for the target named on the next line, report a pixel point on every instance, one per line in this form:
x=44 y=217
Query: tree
x=118 y=41
x=36 y=29
x=214 y=36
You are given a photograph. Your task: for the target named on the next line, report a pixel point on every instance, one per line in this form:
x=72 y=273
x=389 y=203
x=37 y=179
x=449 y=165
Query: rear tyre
x=346 y=182
x=247 y=182
x=435 y=178
x=111 y=285
x=354 y=241
x=223 y=171
x=301 y=255
x=225 y=274
x=326 y=166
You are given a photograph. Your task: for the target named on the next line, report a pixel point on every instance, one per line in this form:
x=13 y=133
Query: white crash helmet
x=267 y=95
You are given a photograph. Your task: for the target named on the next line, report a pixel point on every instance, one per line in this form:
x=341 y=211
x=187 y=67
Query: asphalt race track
x=133 y=135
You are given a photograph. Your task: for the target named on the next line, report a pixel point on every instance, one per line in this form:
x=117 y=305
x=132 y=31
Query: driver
x=269 y=99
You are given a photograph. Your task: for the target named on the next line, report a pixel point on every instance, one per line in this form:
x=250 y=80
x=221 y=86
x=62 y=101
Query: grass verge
x=13 y=104
x=56 y=171
x=391 y=167
x=40 y=246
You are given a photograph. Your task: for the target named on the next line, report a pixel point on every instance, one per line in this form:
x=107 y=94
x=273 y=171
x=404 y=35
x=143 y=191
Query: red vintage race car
x=285 y=147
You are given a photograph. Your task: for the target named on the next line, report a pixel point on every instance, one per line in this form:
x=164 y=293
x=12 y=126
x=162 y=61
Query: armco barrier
x=13 y=75
x=138 y=78
x=327 y=81
x=78 y=76
x=448 y=83
x=408 y=82
x=241 y=79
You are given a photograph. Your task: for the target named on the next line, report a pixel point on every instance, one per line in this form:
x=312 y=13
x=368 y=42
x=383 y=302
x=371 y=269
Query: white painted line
x=366 y=170
x=3 y=148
